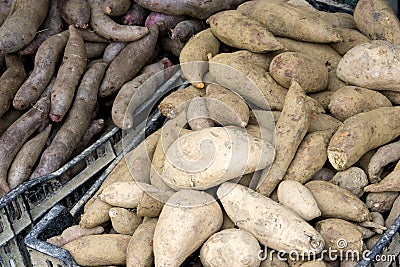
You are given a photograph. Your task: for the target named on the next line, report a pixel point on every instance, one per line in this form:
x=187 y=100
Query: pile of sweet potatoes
x=286 y=137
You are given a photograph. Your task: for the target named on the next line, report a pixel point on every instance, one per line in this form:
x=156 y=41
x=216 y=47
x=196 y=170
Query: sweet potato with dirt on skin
x=195 y=55
x=377 y=223
x=231 y=247
x=95 y=250
x=72 y=233
x=76 y=12
x=305 y=164
x=382 y=157
x=22 y=165
x=10 y=81
x=46 y=59
x=252 y=83
x=262 y=60
x=68 y=76
x=339 y=20
x=133 y=57
x=337 y=202
x=323 y=98
x=323 y=174
x=5 y=7
x=94 y=50
x=15 y=136
x=361 y=133
x=226 y=107
x=9 y=118
x=95 y=214
x=351 y=100
x=380 y=201
x=89 y=35
x=197 y=114
x=174 y=46
x=267 y=220
x=184 y=30
x=20 y=27
x=124 y=221
x=116 y=7
x=136 y=15
x=237 y=30
x=351 y=38
x=187 y=220
x=310 y=73
x=393 y=96
x=394 y=213
x=75 y=125
x=151 y=203
x=291 y=128
x=197 y=9
x=310 y=26
x=140 y=247
x=112 y=50
x=377 y=20
x=353 y=179
x=164 y=22
x=322 y=122
x=390 y=183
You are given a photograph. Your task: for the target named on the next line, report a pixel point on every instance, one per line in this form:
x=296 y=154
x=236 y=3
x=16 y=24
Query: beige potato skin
x=298 y=198
x=351 y=100
x=151 y=203
x=373 y=65
x=380 y=201
x=187 y=220
x=393 y=96
x=230 y=247
x=196 y=53
x=106 y=249
x=226 y=107
x=140 y=248
x=261 y=60
x=323 y=98
x=394 y=212
x=124 y=221
x=271 y=223
x=351 y=38
x=310 y=73
x=361 y=133
x=322 y=122
x=353 y=179
x=336 y=202
x=95 y=214
x=237 y=30
x=197 y=114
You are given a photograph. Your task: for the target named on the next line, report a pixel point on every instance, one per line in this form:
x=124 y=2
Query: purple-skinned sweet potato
x=164 y=22
x=184 y=30
x=136 y=15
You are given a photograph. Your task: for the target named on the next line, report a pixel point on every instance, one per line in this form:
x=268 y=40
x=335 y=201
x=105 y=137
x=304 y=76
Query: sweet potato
x=351 y=100
x=89 y=35
x=112 y=50
x=95 y=250
x=72 y=233
x=94 y=50
x=22 y=23
x=388 y=184
x=339 y=20
x=226 y=107
x=206 y=158
x=377 y=20
x=371 y=65
x=15 y=136
x=237 y=30
x=26 y=158
x=377 y=223
x=337 y=202
x=124 y=221
x=222 y=249
x=5 y=7
x=187 y=220
x=52 y=25
x=353 y=179
x=116 y=7
x=305 y=164
x=262 y=60
x=68 y=76
x=361 y=133
x=197 y=114
x=95 y=214
x=10 y=81
x=164 y=22
x=380 y=201
x=351 y=38
x=323 y=174
x=76 y=12
x=382 y=157
x=133 y=57
x=184 y=30
x=323 y=98
x=151 y=203
x=252 y=83
x=79 y=115
x=140 y=248
x=46 y=60
x=291 y=128
x=268 y=220
x=394 y=213
x=197 y=9
x=136 y=15
x=322 y=122
x=310 y=26
x=195 y=54
x=9 y=118
x=174 y=46
x=393 y=96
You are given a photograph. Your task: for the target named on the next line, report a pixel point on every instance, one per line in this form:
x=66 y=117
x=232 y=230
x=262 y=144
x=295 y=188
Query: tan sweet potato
x=262 y=60
x=361 y=133
x=195 y=54
x=353 y=179
x=351 y=100
x=95 y=250
x=323 y=98
x=197 y=114
x=187 y=220
x=382 y=157
x=336 y=202
x=95 y=214
x=394 y=213
x=380 y=201
x=322 y=122
x=124 y=221
x=291 y=128
x=151 y=203
x=310 y=73
x=239 y=31
x=393 y=96
x=72 y=233
x=339 y=20
x=351 y=38
x=222 y=249
x=76 y=12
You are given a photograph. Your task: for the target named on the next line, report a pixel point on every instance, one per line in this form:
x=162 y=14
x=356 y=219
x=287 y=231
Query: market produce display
x=285 y=136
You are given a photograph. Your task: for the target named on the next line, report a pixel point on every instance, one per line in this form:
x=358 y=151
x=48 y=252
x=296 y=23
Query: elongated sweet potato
x=361 y=133
x=109 y=29
x=184 y=30
x=136 y=15
x=380 y=201
x=9 y=118
x=46 y=59
x=388 y=184
x=116 y=7
x=10 y=81
x=394 y=212
x=237 y=30
x=68 y=75
x=291 y=128
x=339 y=20
x=72 y=233
x=16 y=135
x=133 y=57
x=383 y=156
x=197 y=114
x=79 y=115
x=164 y=22
x=76 y=12
x=112 y=50
x=94 y=50
x=89 y=35
x=21 y=25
